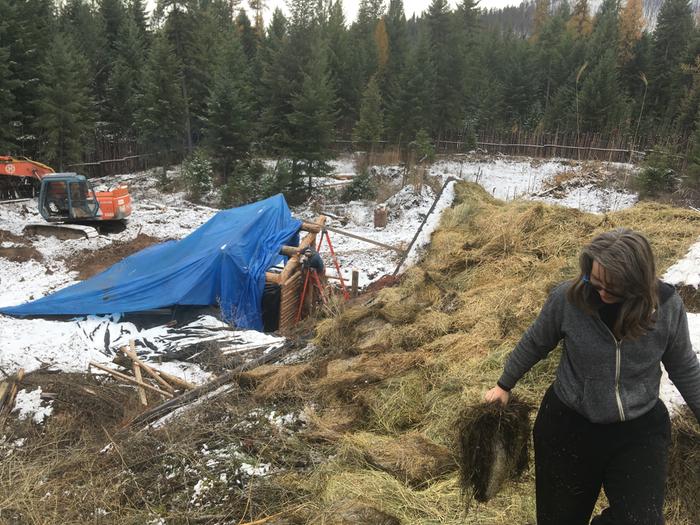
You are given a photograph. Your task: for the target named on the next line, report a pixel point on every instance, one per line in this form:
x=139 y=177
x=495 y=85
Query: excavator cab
x=67 y=197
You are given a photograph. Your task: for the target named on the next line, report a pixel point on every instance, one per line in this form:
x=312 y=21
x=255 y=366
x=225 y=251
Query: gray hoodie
x=603 y=379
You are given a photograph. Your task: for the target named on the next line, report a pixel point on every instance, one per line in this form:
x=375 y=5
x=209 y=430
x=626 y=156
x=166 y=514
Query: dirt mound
x=90 y=262
x=17 y=248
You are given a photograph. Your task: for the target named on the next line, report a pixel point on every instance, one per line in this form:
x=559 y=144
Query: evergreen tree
x=126 y=81
x=395 y=23
x=137 y=11
x=275 y=102
x=412 y=104
x=602 y=105
x=161 y=109
x=370 y=127
x=340 y=64
x=29 y=43
x=7 y=83
x=64 y=104
x=447 y=103
x=230 y=126
x=605 y=33
x=247 y=35
x=312 y=120
x=673 y=33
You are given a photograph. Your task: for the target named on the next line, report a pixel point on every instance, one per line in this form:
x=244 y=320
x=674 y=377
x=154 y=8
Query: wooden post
x=137 y=374
x=355 y=282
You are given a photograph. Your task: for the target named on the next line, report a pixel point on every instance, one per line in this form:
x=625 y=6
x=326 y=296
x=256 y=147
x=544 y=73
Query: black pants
x=574 y=458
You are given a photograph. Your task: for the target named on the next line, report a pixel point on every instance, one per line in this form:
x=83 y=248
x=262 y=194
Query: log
x=127 y=379
x=191 y=396
x=178 y=381
x=293 y=262
x=289 y=251
x=363 y=239
x=137 y=373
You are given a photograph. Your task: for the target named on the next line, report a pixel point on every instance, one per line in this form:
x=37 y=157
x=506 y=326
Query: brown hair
x=628 y=261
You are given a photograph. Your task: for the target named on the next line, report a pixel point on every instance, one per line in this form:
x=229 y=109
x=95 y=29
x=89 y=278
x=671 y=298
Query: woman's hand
x=497 y=394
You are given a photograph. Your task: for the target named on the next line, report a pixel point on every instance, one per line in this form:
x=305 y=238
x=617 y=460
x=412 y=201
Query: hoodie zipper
x=618 y=366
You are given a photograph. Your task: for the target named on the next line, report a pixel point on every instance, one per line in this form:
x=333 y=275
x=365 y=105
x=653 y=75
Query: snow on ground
x=30 y=405
x=687 y=270
x=70 y=345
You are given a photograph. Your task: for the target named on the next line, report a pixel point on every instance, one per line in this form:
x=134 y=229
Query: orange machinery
x=21 y=177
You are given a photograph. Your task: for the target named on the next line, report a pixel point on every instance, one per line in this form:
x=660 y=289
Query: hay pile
x=486 y=275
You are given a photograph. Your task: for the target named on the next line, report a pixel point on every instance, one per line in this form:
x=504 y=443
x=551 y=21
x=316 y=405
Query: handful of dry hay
x=493 y=446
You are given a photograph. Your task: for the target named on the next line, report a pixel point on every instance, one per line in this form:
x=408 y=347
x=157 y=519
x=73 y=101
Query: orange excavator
x=20 y=178
x=67 y=201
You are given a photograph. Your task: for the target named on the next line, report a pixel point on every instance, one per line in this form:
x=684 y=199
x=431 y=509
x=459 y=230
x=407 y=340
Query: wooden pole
x=355 y=282
x=131 y=380
x=137 y=374
x=131 y=354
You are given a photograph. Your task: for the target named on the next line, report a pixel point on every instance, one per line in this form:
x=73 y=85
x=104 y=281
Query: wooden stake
x=131 y=354
x=131 y=380
x=137 y=374
x=355 y=282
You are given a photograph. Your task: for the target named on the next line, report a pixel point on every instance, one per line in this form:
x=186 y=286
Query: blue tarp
x=222 y=262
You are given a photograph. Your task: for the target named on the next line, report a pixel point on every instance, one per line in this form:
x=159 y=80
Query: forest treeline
x=208 y=78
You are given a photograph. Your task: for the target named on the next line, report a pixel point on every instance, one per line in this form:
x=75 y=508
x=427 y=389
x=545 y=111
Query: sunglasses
x=598 y=288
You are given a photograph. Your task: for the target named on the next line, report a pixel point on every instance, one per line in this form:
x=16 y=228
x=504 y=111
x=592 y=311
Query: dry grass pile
x=493 y=446
x=684 y=470
x=487 y=273
x=411 y=458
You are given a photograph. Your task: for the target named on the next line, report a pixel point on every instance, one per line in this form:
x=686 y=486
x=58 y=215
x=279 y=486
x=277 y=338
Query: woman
x=601 y=423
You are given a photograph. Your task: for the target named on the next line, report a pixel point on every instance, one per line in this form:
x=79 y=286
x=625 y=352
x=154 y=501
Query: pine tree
x=7 y=83
x=447 y=105
x=160 y=115
x=247 y=35
x=631 y=25
x=602 y=105
x=370 y=127
x=125 y=81
x=672 y=35
x=64 y=104
x=137 y=12
x=340 y=64
x=580 y=24
x=230 y=127
x=312 y=119
x=275 y=102
x=395 y=23
x=29 y=43
x=411 y=106
x=605 y=33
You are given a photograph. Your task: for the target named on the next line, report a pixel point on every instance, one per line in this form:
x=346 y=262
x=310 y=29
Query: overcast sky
x=410 y=6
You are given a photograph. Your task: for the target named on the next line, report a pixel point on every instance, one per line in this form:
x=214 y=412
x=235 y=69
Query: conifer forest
x=85 y=80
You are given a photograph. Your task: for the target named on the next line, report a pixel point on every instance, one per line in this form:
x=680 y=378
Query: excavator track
x=61 y=231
